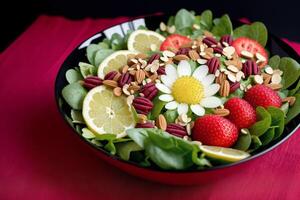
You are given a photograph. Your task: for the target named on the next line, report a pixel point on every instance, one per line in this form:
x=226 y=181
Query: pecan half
x=110 y=75
x=176 y=130
x=226 y=39
x=145 y=125
x=209 y=41
x=142 y=105
x=125 y=79
x=149 y=91
x=225 y=89
x=250 y=68
x=91 y=82
x=213 y=64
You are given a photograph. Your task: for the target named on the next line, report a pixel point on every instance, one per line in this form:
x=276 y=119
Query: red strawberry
x=174 y=41
x=261 y=95
x=242 y=114
x=215 y=130
x=244 y=43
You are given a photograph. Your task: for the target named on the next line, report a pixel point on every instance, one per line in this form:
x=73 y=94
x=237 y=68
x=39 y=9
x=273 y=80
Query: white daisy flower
x=183 y=89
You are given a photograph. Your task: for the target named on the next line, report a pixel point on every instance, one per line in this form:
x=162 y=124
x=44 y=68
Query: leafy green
x=277 y=116
x=117 y=42
x=223 y=26
x=158 y=106
x=171 y=21
x=257 y=31
x=183 y=19
x=274 y=61
x=243 y=142
x=167 y=151
x=291 y=71
x=87 y=69
x=91 y=52
x=294 y=110
x=255 y=143
x=124 y=149
x=267 y=137
x=101 y=55
x=295 y=89
x=206 y=19
x=73 y=76
x=74 y=94
x=77 y=117
x=171 y=115
x=261 y=126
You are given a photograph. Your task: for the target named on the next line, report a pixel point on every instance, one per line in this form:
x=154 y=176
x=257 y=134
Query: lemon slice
x=105 y=113
x=227 y=154
x=144 y=41
x=114 y=62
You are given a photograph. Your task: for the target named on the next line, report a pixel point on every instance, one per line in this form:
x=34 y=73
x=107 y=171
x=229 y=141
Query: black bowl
x=275 y=46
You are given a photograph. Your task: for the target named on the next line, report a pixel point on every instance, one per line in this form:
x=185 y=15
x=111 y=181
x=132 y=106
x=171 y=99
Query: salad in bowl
x=193 y=94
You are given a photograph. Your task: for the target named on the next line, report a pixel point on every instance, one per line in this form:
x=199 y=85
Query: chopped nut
x=276 y=79
x=129 y=100
x=269 y=70
x=125 y=89
x=221 y=112
x=165 y=59
x=246 y=54
x=142 y=118
x=266 y=78
x=291 y=100
x=260 y=57
x=124 y=69
x=140 y=76
x=168 y=53
x=232 y=68
x=225 y=88
x=277 y=71
x=117 y=91
x=228 y=51
x=258 y=79
x=180 y=57
x=161 y=122
x=110 y=83
x=221 y=78
x=239 y=76
x=231 y=77
x=194 y=55
x=274 y=86
x=162 y=26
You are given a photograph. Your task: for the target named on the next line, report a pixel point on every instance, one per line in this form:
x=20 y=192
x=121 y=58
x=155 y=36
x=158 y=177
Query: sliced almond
x=188 y=129
x=232 y=68
x=266 y=78
x=162 y=26
x=221 y=112
x=276 y=79
x=239 y=75
x=110 y=83
x=194 y=55
x=246 y=54
x=228 y=51
x=260 y=57
x=171 y=29
x=164 y=59
x=277 y=71
x=153 y=47
x=168 y=53
x=258 y=79
x=269 y=70
x=117 y=91
x=231 y=77
x=181 y=57
x=161 y=122
x=196 y=26
x=291 y=100
x=274 y=86
x=225 y=44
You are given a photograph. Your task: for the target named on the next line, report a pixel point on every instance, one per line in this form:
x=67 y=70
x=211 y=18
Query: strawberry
x=174 y=41
x=215 y=130
x=242 y=114
x=244 y=43
x=261 y=95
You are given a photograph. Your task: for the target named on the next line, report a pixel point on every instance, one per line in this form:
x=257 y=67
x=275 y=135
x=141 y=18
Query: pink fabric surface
x=41 y=158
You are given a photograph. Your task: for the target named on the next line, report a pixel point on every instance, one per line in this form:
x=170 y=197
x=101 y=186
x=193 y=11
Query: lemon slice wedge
x=114 y=62
x=105 y=113
x=226 y=154
x=144 y=41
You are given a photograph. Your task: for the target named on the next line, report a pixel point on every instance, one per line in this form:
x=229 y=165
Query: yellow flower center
x=187 y=90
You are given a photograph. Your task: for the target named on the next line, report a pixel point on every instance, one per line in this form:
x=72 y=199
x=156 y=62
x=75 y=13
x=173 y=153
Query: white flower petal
x=171 y=71
x=211 y=89
x=207 y=80
x=184 y=68
x=167 y=80
x=198 y=110
x=211 y=102
x=171 y=105
x=182 y=108
x=200 y=72
x=166 y=97
x=163 y=88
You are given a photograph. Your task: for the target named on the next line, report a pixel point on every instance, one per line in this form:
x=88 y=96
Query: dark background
x=281 y=17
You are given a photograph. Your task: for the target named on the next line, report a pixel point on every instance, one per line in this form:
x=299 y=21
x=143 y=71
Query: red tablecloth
x=42 y=159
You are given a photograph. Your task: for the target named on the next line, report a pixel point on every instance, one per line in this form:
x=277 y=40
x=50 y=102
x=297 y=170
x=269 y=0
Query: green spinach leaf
x=274 y=61
x=223 y=26
x=267 y=137
x=277 y=116
x=73 y=76
x=206 y=19
x=184 y=19
x=291 y=71
x=87 y=69
x=243 y=142
x=256 y=31
x=294 y=110
x=264 y=123
x=295 y=90
x=74 y=94
x=124 y=149
x=101 y=55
